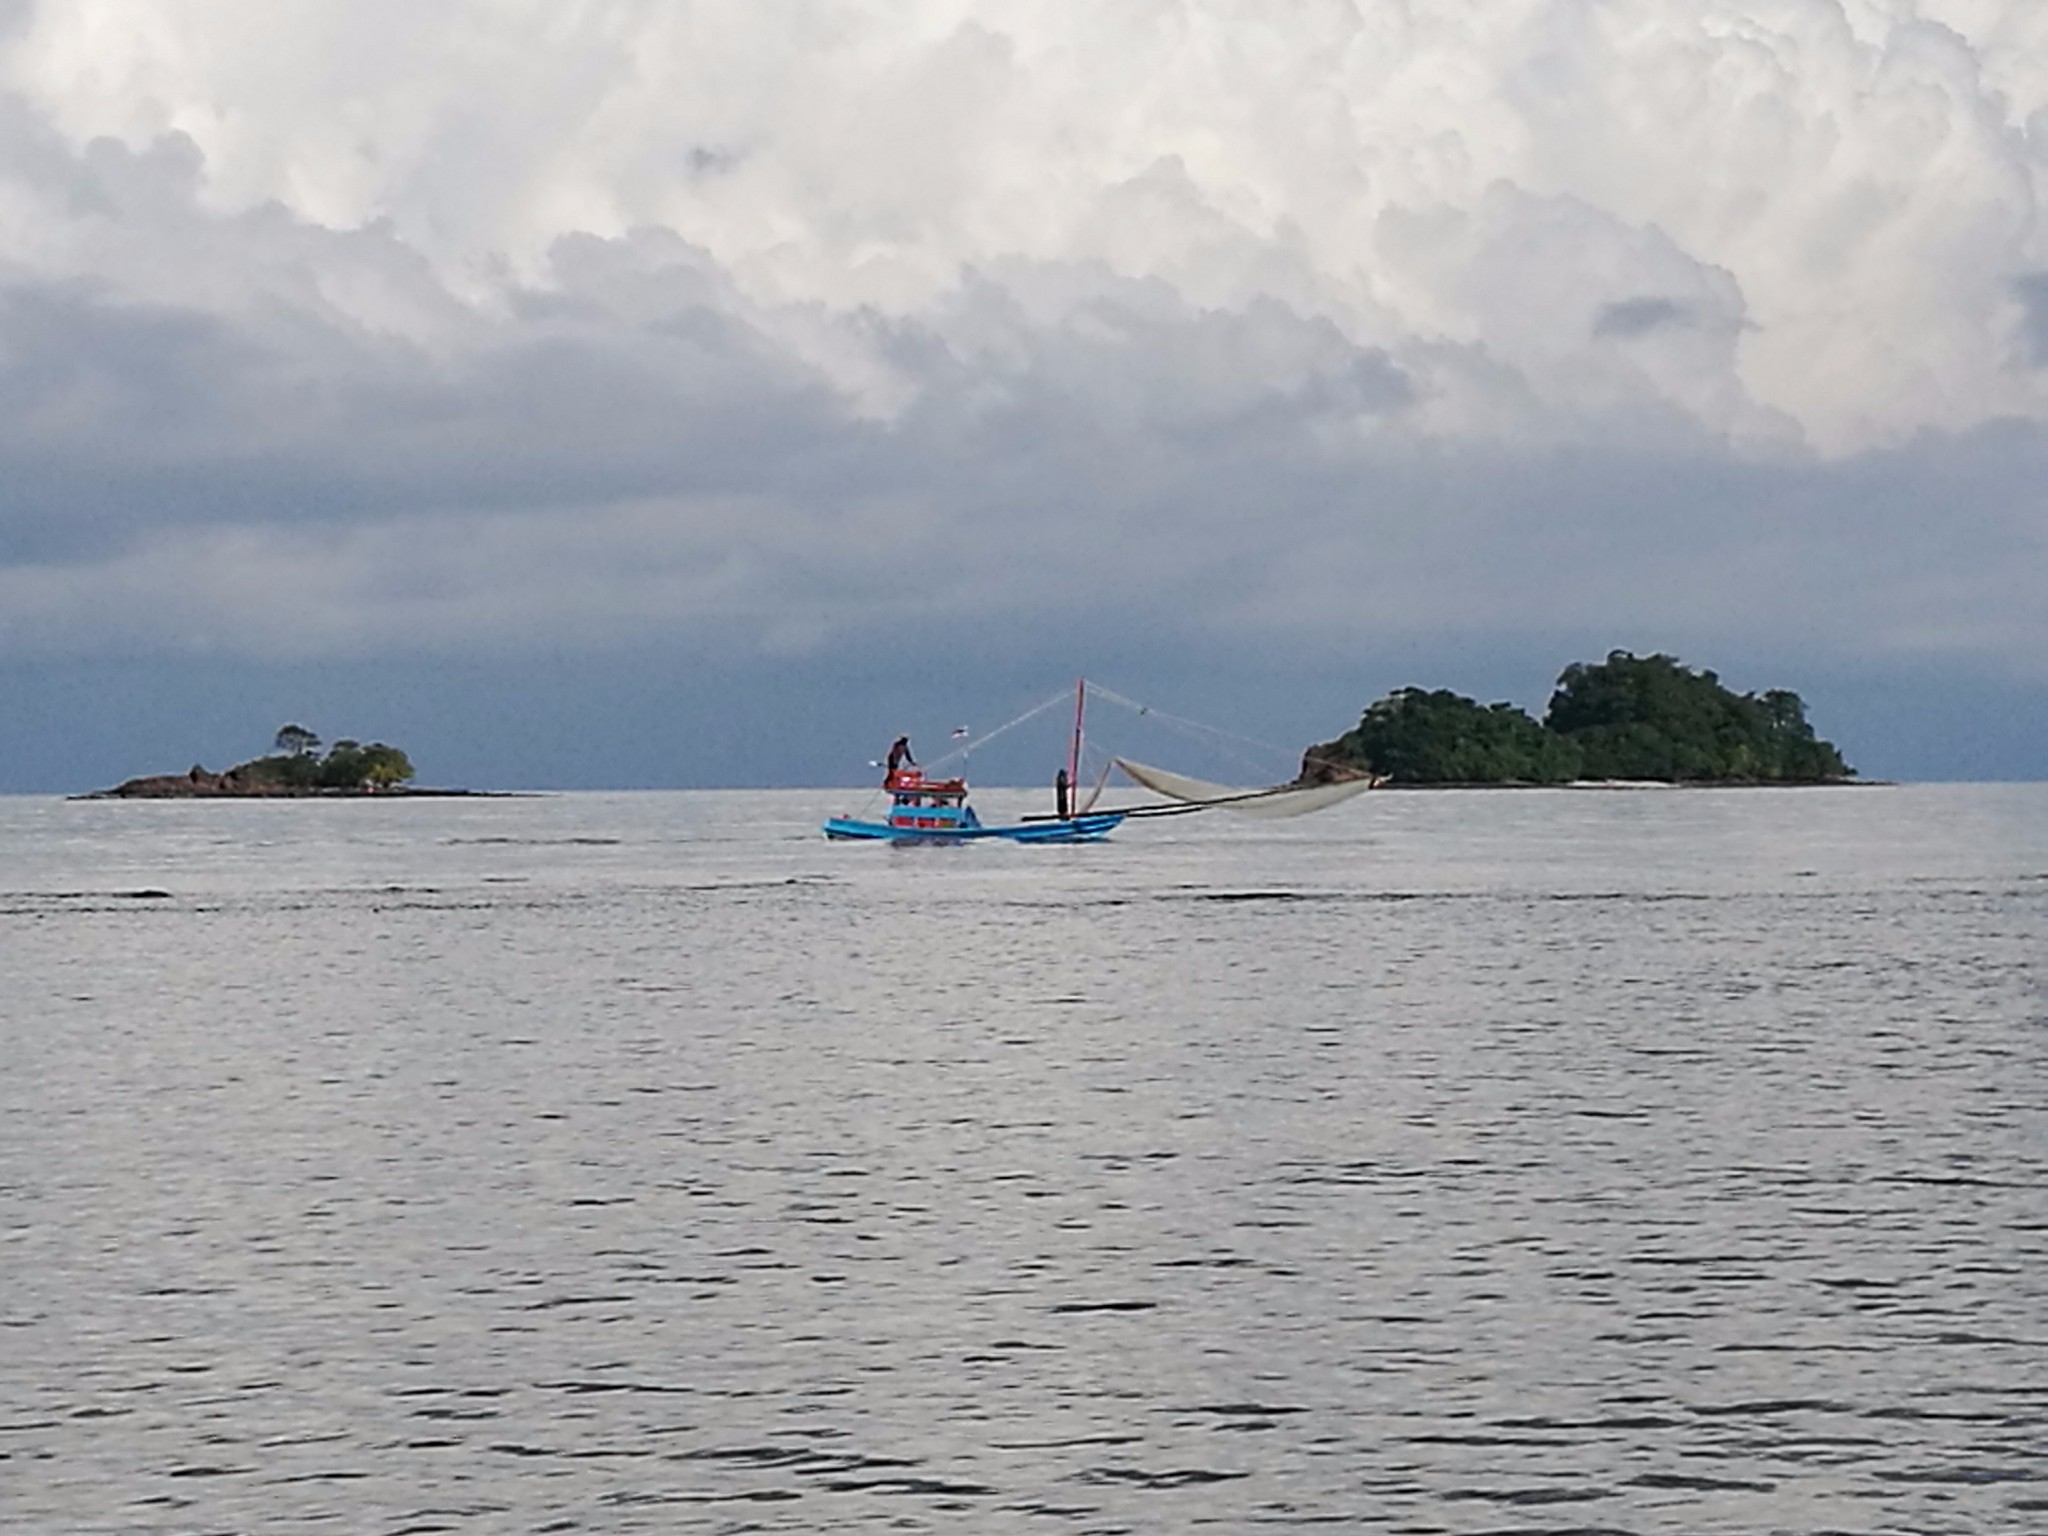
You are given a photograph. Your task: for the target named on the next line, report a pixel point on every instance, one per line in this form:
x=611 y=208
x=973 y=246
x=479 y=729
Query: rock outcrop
x=197 y=784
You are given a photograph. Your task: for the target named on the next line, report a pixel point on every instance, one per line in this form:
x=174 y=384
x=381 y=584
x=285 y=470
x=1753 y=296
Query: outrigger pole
x=1189 y=807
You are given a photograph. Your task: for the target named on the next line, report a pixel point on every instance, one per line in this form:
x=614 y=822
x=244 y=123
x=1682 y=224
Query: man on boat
x=899 y=754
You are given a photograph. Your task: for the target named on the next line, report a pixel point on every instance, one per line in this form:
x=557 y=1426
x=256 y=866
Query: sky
x=654 y=393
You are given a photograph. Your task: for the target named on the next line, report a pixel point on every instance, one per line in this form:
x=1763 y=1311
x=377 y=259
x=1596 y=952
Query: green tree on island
x=1650 y=717
x=347 y=765
x=1628 y=717
x=1440 y=737
x=350 y=765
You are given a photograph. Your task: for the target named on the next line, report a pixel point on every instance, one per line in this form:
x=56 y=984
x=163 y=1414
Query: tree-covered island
x=1629 y=717
x=296 y=768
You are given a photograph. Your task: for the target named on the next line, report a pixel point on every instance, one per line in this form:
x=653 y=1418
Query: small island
x=296 y=769
x=1629 y=718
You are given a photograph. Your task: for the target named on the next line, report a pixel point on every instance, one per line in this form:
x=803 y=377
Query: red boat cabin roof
x=911 y=781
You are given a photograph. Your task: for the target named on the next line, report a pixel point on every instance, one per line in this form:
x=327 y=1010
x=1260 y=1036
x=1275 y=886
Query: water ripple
x=1486 y=1164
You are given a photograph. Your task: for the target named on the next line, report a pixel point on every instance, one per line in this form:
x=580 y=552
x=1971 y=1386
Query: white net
x=1279 y=801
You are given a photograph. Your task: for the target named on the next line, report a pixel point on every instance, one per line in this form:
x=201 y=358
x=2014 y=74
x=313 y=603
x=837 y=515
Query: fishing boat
x=923 y=809
x=927 y=809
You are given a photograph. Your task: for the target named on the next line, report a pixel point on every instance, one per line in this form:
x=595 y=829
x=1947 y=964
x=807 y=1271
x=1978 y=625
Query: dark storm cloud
x=635 y=449
x=639 y=377
x=118 y=417
x=2032 y=292
x=1638 y=317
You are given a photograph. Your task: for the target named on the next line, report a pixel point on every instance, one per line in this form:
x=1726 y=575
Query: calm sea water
x=1464 y=1162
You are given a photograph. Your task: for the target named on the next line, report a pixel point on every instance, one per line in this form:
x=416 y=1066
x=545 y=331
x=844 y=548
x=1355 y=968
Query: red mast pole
x=1074 y=752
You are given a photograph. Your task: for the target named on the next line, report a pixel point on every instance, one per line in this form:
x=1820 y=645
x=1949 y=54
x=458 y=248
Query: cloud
x=488 y=325
x=2031 y=289
x=1639 y=317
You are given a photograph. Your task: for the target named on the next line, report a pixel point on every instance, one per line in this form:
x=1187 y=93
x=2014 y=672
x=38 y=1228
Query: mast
x=1074 y=751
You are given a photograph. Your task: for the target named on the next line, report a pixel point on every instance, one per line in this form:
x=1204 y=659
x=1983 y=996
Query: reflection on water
x=1461 y=1162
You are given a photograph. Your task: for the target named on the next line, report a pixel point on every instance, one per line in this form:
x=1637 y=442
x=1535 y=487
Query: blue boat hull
x=1080 y=829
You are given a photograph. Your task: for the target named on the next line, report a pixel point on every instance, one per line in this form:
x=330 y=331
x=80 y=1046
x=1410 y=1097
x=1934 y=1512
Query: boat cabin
x=928 y=805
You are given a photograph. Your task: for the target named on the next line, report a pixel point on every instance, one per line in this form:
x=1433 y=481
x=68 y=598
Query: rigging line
x=1260 y=764
x=966 y=747
x=1212 y=730
x=1101 y=783
x=962 y=750
x=1197 y=726
x=1193 y=725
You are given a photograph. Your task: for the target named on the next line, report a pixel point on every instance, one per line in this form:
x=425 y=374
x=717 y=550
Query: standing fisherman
x=899 y=754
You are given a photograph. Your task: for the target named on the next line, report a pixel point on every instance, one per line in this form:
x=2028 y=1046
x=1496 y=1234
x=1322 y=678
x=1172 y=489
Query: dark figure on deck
x=1062 y=794
x=899 y=754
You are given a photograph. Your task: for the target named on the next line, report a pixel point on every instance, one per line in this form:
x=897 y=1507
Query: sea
x=1533 y=1162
